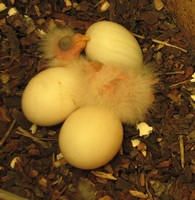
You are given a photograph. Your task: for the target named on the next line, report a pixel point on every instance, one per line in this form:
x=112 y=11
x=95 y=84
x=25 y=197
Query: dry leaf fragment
x=104 y=175
x=142 y=147
x=43 y=182
x=104 y=6
x=12 y=11
x=5 y=78
x=12 y=2
x=158 y=187
x=68 y=3
x=135 y=142
x=14 y=161
x=4 y=114
x=158 y=4
x=33 y=173
x=193 y=78
x=59 y=163
x=181 y=145
x=165 y=163
x=138 y=194
x=33 y=129
x=2 y=7
x=106 y=198
x=37 y=10
x=142 y=179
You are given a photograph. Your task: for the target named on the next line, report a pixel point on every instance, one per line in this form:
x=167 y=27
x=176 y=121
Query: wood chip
x=181 y=145
x=158 y=4
x=138 y=194
x=104 y=175
x=106 y=198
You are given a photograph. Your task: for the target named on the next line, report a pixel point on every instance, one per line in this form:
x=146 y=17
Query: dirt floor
x=162 y=167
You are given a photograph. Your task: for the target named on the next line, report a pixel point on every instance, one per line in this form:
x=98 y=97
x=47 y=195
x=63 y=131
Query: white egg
x=112 y=43
x=50 y=96
x=90 y=137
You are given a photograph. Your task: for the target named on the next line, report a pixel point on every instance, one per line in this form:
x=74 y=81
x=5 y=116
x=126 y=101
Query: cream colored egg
x=90 y=137
x=111 y=43
x=50 y=96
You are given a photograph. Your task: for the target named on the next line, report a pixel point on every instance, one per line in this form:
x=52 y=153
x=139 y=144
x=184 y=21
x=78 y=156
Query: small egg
x=112 y=43
x=50 y=96
x=90 y=137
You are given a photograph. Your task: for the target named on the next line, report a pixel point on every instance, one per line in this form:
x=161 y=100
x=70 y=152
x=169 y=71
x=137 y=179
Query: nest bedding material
x=162 y=166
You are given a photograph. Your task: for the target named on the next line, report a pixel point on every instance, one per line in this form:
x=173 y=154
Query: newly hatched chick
x=62 y=44
x=128 y=93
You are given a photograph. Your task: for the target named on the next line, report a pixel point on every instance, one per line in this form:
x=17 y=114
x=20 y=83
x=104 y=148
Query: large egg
x=111 y=43
x=50 y=96
x=90 y=137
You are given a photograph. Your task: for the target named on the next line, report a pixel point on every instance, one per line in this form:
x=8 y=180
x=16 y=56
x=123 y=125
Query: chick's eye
x=65 y=43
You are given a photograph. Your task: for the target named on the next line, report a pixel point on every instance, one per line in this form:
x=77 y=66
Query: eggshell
x=90 y=137
x=50 y=96
x=112 y=43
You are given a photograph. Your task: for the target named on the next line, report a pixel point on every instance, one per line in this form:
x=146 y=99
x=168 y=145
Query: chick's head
x=63 y=44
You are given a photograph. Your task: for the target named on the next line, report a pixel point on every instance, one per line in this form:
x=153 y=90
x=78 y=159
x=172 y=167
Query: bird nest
x=160 y=166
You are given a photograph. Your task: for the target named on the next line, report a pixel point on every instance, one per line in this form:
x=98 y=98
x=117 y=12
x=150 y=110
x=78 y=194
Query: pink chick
x=128 y=93
x=60 y=45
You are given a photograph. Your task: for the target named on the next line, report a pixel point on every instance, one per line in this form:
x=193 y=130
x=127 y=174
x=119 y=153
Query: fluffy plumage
x=129 y=94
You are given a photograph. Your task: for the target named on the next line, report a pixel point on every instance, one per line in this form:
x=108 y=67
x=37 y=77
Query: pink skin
x=111 y=87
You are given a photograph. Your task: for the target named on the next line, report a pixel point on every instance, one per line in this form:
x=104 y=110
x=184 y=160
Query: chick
x=128 y=93
x=60 y=45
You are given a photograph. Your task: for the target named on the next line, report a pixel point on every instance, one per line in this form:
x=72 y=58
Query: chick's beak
x=68 y=51
x=79 y=43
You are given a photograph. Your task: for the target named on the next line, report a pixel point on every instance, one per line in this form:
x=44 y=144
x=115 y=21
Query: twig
x=181 y=145
x=176 y=72
x=25 y=133
x=7 y=133
x=169 y=45
x=148 y=192
x=8 y=195
x=4 y=57
x=68 y=3
x=61 y=192
x=161 y=42
x=139 y=36
x=182 y=82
